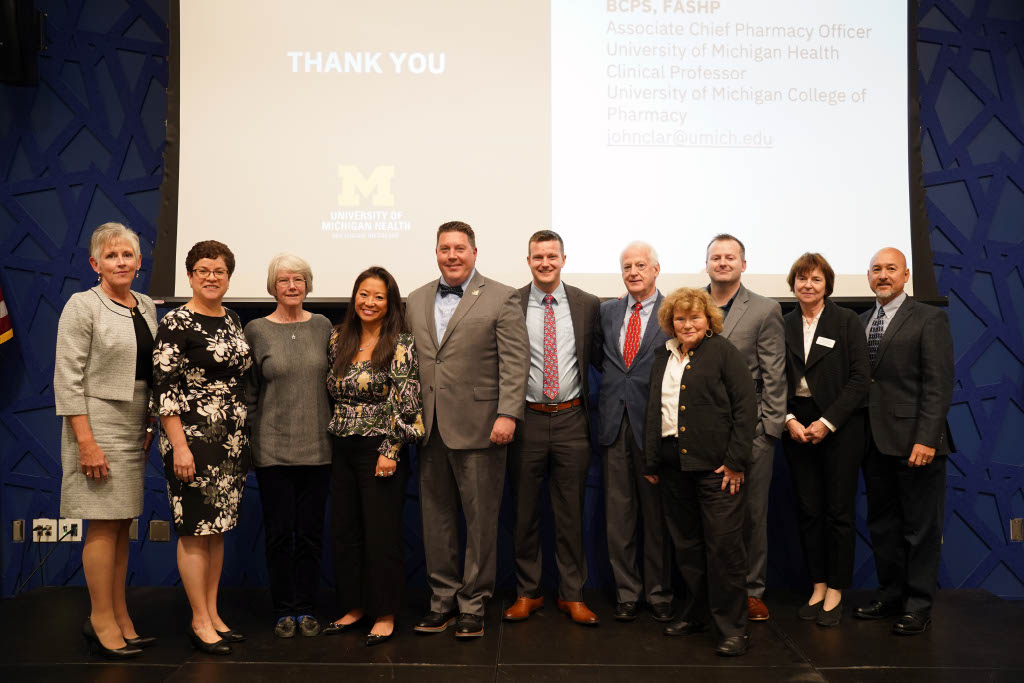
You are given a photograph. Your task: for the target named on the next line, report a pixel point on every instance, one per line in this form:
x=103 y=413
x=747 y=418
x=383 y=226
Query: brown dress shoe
x=579 y=612
x=522 y=608
x=757 y=610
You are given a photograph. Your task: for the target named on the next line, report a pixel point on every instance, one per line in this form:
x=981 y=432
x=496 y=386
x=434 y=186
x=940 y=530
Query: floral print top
x=372 y=403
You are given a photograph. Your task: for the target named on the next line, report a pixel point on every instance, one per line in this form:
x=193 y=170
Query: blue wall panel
x=85 y=146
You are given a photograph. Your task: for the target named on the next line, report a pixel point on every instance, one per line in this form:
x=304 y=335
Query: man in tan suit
x=474 y=360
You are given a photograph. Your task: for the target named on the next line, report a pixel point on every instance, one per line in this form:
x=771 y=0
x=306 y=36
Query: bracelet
x=149 y=429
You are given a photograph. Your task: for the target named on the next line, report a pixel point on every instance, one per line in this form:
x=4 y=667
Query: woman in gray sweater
x=101 y=383
x=288 y=416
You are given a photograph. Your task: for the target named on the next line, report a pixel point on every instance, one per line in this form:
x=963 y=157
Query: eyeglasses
x=289 y=281
x=220 y=273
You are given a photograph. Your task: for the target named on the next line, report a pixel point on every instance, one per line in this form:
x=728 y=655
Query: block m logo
x=355 y=187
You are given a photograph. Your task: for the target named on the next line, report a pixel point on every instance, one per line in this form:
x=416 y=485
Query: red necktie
x=632 y=344
x=550 y=350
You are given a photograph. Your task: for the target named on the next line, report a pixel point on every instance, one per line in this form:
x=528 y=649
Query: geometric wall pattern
x=85 y=146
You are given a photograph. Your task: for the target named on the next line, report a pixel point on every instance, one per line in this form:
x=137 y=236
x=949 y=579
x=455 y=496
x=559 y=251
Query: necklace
x=369 y=343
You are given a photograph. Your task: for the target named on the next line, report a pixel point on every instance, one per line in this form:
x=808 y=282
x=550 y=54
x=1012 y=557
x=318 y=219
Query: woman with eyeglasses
x=200 y=363
x=288 y=416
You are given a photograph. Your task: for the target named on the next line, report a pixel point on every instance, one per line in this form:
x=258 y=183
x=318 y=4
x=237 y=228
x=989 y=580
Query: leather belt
x=554 y=407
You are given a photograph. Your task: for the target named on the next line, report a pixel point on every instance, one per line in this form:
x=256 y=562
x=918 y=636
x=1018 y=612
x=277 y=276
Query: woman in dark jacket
x=827 y=371
x=701 y=413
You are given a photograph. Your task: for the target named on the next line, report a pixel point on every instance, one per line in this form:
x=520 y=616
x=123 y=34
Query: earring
x=136 y=275
x=708 y=333
x=99 y=278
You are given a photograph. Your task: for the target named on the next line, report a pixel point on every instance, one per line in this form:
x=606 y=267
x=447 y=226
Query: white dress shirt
x=444 y=306
x=565 y=340
x=670 y=385
x=890 y=313
x=647 y=305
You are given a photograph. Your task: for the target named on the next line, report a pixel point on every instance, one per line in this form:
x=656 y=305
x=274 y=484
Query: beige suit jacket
x=479 y=369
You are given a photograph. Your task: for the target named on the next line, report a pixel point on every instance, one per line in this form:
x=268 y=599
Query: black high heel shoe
x=126 y=652
x=217 y=648
x=231 y=636
x=141 y=641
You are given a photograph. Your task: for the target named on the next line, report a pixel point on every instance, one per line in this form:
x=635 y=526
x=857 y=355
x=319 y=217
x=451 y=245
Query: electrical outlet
x=18 y=531
x=159 y=530
x=72 y=528
x=133 y=530
x=44 y=530
x=1017 y=529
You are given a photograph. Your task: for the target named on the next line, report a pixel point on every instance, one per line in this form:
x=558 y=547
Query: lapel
x=470 y=296
x=576 y=314
x=795 y=335
x=431 y=324
x=902 y=315
x=826 y=328
x=524 y=297
x=652 y=329
x=611 y=330
x=739 y=307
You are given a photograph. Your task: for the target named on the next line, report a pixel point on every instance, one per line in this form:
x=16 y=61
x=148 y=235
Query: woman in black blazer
x=828 y=373
x=701 y=413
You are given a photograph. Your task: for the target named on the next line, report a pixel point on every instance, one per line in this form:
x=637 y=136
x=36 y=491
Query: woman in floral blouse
x=374 y=382
x=200 y=361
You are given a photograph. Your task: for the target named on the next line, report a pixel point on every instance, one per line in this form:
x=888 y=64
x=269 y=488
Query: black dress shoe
x=376 y=638
x=141 y=641
x=435 y=622
x=469 y=626
x=681 y=627
x=334 y=628
x=662 y=611
x=810 y=612
x=231 y=636
x=285 y=627
x=912 y=624
x=733 y=646
x=309 y=626
x=126 y=652
x=626 y=611
x=876 y=609
x=830 y=617
x=217 y=648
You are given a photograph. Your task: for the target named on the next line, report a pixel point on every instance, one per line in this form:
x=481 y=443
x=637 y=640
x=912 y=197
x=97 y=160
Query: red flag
x=5 y=321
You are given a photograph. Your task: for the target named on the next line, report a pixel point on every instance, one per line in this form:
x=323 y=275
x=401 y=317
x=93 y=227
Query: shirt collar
x=728 y=304
x=645 y=304
x=892 y=306
x=465 y=284
x=538 y=294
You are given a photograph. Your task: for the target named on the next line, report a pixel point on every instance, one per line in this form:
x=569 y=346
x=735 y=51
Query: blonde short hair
x=292 y=263
x=688 y=299
x=111 y=232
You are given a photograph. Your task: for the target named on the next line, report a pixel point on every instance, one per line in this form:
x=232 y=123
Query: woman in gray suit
x=101 y=384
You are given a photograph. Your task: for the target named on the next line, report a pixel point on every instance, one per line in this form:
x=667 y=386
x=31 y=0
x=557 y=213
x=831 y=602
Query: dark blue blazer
x=625 y=390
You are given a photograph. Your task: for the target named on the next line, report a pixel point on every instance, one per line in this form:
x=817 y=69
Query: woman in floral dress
x=375 y=384
x=200 y=361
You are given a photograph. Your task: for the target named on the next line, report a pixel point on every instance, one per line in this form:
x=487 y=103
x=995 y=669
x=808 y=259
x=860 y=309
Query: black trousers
x=906 y=507
x=553 y=446
x=705 y=524
x=293 y=499
x=825 y=481
x=366 y=527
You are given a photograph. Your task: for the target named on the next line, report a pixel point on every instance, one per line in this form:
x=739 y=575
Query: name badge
x=826 y=342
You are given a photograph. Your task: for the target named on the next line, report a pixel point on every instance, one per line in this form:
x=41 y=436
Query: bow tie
x=446 y=290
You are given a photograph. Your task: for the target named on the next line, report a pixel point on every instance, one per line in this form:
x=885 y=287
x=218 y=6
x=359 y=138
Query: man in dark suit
x=554 y=439
x=753 y=323
x=630 y=332
x=474 y=357
x=910 y=348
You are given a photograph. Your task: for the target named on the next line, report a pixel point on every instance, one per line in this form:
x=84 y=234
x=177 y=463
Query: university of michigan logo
x=376 y=187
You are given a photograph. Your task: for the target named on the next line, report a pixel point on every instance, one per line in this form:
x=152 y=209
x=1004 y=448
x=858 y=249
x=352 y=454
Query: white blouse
x=670 y=383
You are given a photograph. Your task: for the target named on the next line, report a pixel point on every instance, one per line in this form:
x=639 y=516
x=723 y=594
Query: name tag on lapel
x=826 y=342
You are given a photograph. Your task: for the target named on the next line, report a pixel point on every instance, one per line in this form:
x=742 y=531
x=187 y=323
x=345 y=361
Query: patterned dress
x=199 y=368
x=370 y=403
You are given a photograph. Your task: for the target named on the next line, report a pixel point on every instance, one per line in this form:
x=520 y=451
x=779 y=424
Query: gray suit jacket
x=912 y=381
x=96 y=350
x=754 y=326
x=625 y=389
x=585 y=311
x=478 y=371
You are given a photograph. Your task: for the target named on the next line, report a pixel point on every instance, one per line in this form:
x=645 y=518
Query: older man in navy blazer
x=910 y=348
x=630 y=331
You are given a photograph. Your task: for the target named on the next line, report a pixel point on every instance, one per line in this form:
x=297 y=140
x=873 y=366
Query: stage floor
x=975 y=637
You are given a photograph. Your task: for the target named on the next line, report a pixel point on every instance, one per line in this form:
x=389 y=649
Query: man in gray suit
x=554 y=440
x=911 y=352
x=474 y=358
x=753 y=324
x=630 y=333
